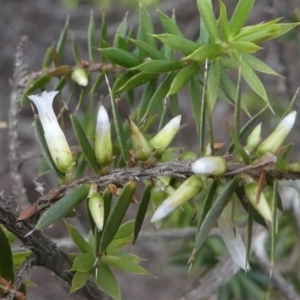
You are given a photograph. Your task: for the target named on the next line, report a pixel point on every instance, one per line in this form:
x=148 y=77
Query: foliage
x=163 y=64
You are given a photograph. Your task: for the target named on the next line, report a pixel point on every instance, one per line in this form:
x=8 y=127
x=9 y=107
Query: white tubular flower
x=273 y=142
x=103 y=144
x=232 y=237
x=187 y=190
x=163 y=138
x=55 y=138
x=209 y=165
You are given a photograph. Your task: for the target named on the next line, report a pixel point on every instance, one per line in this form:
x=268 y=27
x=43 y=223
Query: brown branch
x=15 y=107
x=46 y=251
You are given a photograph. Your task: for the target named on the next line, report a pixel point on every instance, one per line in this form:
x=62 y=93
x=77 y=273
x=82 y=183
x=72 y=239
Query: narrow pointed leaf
x=148 y=49
x=206 y=12
x=160 y=65
x=147 y=28
x=107 y=281
x=62 y=39
x=121 y=57
x=223 y=19
x=91 y=37
x=245 y=47
x=79 y=280
x=84 y=262
x=117 y=214
x=77 y=238
x=213 y=81
x=204 y=52
x=6 y=259
x=38 y=83
x=195 y=96
x=121 y=32
x=240 y=15
x=178 y=43
x=84 y=144
x=213 y=214
x=169 y=24
x=160 y=94
x=75 y=51
x=183 y=77
x=63 y=206
x=97 y=82
x=148 y=92
x=141 y=213
x=47 y=58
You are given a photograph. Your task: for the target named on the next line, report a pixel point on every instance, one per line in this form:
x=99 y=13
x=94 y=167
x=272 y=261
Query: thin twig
x=15 y=107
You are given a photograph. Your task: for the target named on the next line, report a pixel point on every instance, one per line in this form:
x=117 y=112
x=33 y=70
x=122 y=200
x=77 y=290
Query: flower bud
x=263 y=208
x=232 y=237
x=103 y=143
x=187 y=190
x=209 y=165
x=96 y=207
x=273 y=142
x=55 y=138
x=254 y=139
x=163 y=138
x=79 y=76
x=141 y=147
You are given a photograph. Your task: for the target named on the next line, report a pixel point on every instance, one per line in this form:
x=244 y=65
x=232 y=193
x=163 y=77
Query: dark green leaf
x=208 y=51
x=160 y=65
x=6 y=258
x=62 y=39
x=147 y=28
x=148 y=49
x=79 y=280
x=169 y=24
x=91 y=37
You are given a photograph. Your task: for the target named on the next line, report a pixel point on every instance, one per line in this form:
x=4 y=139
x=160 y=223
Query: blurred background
x=43 y=21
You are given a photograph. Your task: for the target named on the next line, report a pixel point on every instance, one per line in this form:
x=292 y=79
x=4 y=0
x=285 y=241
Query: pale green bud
x=55 y=138
x=165 y=136
x=103 y=143
x=262 y=206
x=254 y=139
x=141 y=147
x=209 y=165
x=79 y=76
x=273 y=142
x=96 y=207
x=187 y=190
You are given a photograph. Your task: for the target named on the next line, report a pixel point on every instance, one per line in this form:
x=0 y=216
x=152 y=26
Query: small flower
x=232 y=237
x=55 y=138
x=96 y=207
x=103 y=143
x=187 y=190
x=165 y=136
x=79 y=76
x=209 y=165
x=273 y=142
x=254 y=139
x=141 y=147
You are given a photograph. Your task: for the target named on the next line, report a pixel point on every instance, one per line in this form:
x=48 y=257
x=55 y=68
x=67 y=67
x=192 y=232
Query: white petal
x=102 y=120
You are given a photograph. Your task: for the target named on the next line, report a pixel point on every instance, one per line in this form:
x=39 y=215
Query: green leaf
x=146 y=26
x=178 y=43
x=84 y=143
x=91 y=37
x=118 y=244
x=38 y=83
x=19 y=257
x=224 y=26
x=160 y=65
x=84 y=262
x=79 y=280
x=258 y=65
x=183 y=77
x=121 y=57
x=121 y=32
x=195 y=96
x=77 y=238
x=40 y=137
x=63 y=206
x=122 y=80
x=169 y=24
x=97 y=82
x=103 y=29
x=6 y=258
x=208 y=51
x=142 y=210
x=124 y=264
x=213 y=81
x=62 y=39
x=246 y=47
x=206 y=12
x=240 y=15
x=253 y=81
x=136 y=80
x=213 y=214
x=125 y=230
x=160 y=94
x=148 y=49
x=47 y=58
x=108 y=282
x=239 y=148
x=117 y=214
x=75 y=51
